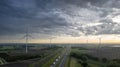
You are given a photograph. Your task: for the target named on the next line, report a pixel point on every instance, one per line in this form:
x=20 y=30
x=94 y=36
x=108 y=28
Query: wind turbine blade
x=31 y=36
x=22 y=38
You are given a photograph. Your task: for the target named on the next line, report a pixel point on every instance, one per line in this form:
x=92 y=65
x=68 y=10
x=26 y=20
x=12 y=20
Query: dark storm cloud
x=52 y=17
x=15 y=15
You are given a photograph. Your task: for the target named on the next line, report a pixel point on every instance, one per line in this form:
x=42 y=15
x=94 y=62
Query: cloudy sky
x=61 y=20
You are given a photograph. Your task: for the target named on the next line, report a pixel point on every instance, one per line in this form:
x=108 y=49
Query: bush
x=104 y=60
x=74 y=55
x=117 y=60
x=113 y=64
x=84 y=64
x=4 y=55
x=21 y=57
x=79 y=61
x=83 y=57
x=92 y=58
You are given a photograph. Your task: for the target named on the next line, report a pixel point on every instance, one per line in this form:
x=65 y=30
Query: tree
x=84 y=64
x=104 y=60
x=79 y=61
x=113 y=64
x=83 y=58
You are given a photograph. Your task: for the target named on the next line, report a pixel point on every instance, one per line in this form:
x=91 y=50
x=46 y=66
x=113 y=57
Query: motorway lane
x=64 y=59
x=62 y=64
x=58 y=59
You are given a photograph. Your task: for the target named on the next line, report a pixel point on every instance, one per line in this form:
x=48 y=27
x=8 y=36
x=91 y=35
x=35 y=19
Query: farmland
x=93 y=58
x=67 y=56
x=14 y=57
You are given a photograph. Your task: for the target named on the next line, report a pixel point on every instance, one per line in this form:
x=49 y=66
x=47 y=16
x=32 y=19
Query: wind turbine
x=87 y=41
x=50 y=42
x=98 y=46
x=27 y=36
x=100 y=41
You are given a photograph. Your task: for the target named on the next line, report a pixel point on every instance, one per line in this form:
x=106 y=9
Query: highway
x=62 y=58
x=65 y=56
x=26 y=63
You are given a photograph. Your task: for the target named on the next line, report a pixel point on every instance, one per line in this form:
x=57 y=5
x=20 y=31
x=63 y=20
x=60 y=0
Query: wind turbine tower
x=99 y=41
x=50 y=42
x=27 y=35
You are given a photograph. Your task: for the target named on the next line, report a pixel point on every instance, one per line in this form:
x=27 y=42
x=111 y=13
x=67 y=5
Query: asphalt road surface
x=64 y=59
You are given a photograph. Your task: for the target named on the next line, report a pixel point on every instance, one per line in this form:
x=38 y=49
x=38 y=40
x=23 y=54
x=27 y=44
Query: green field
x=79 y=58
x=33 y=58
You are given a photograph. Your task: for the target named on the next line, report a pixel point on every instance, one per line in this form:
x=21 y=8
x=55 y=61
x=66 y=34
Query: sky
x=63 y=21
